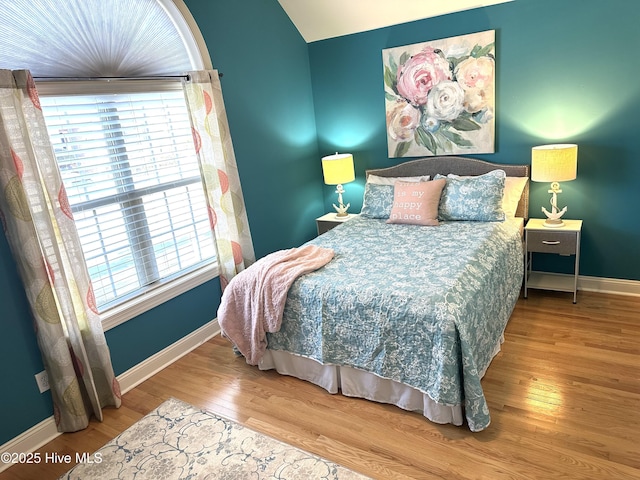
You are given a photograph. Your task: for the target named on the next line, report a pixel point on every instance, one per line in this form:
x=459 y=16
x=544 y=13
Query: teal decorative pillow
x=476 y=198
x=377 y=201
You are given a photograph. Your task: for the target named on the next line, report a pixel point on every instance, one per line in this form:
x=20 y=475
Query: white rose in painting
x=445 y=101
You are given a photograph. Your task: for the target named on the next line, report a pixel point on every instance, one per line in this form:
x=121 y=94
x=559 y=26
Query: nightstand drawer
x=563 y=243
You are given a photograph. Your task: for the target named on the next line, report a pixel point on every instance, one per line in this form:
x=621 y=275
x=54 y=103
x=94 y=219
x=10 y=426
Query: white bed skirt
x=358 y=383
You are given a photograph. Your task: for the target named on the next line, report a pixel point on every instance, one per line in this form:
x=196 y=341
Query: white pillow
x=375 y=179
x=513 y=188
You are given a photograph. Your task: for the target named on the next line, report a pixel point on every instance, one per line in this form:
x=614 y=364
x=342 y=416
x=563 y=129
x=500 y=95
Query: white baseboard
x=596 y=284
x=609 y=285
x=46 y=430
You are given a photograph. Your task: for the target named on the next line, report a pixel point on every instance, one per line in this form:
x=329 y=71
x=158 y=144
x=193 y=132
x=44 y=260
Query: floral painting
x=439 y=96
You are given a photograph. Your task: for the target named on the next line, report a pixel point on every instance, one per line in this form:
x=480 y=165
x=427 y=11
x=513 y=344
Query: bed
x=405 y=314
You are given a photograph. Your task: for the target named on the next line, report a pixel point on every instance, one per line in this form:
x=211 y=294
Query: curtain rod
x=110 y=79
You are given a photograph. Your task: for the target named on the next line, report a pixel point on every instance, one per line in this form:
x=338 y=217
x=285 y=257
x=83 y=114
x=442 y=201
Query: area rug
x=178 y=441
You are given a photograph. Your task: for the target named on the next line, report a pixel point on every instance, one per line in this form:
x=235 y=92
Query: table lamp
x=554 y=163
x=338 y=169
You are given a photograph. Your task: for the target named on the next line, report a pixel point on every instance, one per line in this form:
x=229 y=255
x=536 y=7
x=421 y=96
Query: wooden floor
x=564 y=395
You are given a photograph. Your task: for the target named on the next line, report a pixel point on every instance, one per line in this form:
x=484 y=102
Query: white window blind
x=97 y=38
x=133 y=181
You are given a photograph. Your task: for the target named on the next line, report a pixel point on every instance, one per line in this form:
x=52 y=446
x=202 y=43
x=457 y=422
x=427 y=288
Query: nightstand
x=329 y=221
x=563 y=240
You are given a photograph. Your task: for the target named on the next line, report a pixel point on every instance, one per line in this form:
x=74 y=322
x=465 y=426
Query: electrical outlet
x=42 y=379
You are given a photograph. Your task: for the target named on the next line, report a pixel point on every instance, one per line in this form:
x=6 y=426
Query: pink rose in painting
x=417 y=76
x=445 y=101
x=476 y=77
x=402 y=120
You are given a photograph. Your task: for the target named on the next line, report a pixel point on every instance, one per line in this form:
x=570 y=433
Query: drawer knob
x=551 y=242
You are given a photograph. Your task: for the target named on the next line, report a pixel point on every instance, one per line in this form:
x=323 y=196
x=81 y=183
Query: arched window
x=98 y=38
x=108 y=76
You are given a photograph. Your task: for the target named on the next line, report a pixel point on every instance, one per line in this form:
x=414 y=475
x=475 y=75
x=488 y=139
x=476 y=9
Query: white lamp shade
x=554 y=163
x=338 y=169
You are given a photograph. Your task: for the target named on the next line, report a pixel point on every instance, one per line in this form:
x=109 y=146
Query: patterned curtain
x=219 y=173
x=39 y=227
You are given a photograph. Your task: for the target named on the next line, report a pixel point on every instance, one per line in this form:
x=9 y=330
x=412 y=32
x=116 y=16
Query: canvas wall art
x=440 y=96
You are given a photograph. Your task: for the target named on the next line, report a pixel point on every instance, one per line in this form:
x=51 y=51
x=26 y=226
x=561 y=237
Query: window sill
x=128 y=310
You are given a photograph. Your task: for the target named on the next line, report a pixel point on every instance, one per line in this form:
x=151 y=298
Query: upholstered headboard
x=458 y=166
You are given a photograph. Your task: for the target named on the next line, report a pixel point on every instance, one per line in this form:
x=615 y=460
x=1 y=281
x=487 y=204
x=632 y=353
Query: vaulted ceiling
x=322 y=19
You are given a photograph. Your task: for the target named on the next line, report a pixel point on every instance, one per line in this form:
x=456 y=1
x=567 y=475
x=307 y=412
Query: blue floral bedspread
x=424 y=306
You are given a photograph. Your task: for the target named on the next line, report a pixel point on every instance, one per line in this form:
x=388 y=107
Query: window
x=133 y=183
x=100 y=38
x=119 y=38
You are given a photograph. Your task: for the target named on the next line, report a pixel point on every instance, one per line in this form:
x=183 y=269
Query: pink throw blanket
x=253 y=301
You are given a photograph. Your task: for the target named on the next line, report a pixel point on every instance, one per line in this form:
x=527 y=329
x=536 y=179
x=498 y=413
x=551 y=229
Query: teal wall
x=267 y=91
x=567 y=72
x=21 y=404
